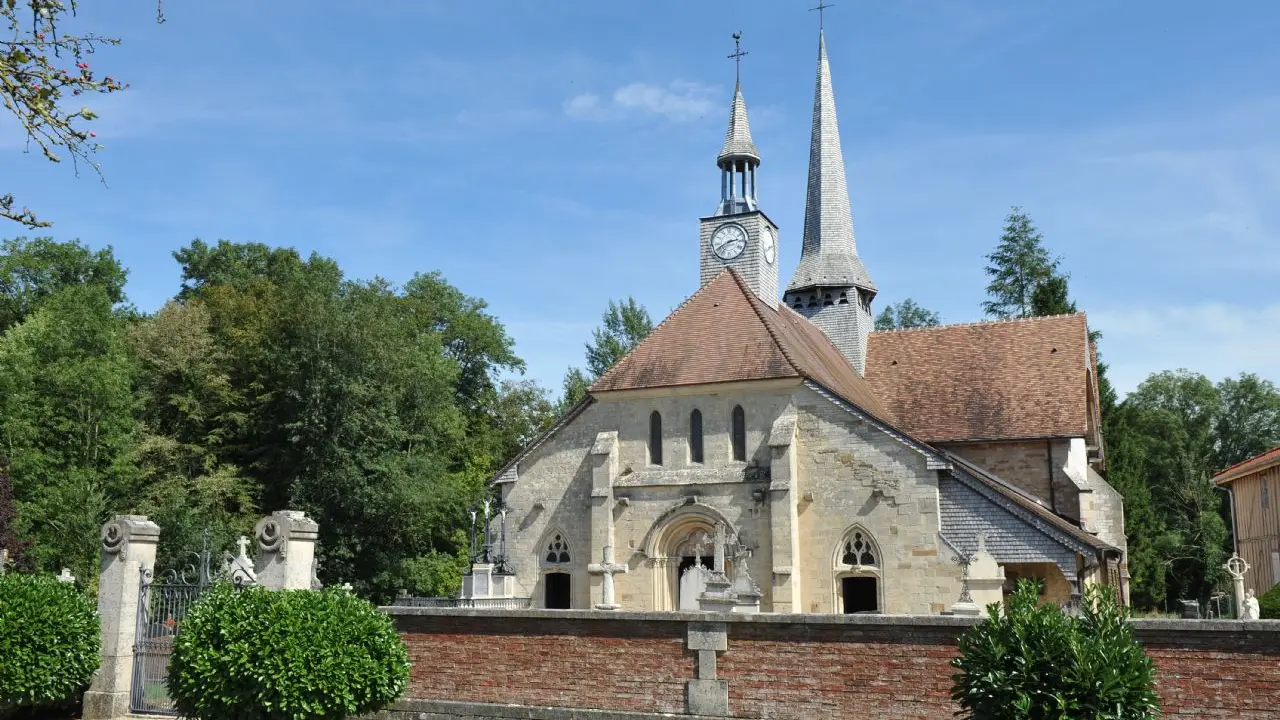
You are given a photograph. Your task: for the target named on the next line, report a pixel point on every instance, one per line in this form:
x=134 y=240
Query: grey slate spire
x=737 y=139
x=831 y=286
x=828 y=256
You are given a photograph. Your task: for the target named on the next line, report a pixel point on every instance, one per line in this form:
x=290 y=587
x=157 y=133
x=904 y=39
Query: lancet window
x=655 y=438
x=695 y=436
x=739 y=427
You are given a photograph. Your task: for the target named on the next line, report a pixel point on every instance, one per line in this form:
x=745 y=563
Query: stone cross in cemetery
x=607 y=568
x=1236 y=568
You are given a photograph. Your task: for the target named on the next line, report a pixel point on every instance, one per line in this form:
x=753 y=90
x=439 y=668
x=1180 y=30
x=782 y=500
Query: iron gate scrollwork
x=163 y=604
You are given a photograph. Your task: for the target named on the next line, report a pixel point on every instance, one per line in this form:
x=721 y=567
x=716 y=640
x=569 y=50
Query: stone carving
x=114 y=540
x=1251 y=609
x=1237 y=567
x=270 y=537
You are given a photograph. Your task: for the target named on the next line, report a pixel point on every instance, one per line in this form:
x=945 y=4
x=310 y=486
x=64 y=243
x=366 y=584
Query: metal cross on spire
x=738 y=54
x=822 y=6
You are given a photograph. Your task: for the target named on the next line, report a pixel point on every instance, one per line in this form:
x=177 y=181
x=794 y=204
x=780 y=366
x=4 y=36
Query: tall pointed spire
x=830 y=286
x=737 y=139
x=828 y=255
x=738 y=159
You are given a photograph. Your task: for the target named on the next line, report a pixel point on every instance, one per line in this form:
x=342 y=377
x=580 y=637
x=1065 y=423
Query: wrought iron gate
x=162 y=607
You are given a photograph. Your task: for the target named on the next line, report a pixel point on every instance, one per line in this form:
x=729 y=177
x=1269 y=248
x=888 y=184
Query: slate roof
x=725 y=333
x=737 y=139
x=828 y=255
x=1257 y=463
x=1007 y=380
x=964 y=470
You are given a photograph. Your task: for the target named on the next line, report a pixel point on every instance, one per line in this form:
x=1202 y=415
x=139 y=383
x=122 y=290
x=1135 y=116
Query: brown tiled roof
x=724 y=333
x=1257 y=463
x=1002 y=380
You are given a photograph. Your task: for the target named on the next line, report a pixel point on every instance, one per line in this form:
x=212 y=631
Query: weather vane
x=738 y=54
x=822 y=6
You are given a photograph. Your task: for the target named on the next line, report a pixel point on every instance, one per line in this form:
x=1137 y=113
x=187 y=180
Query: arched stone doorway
x=858 y=574
x=680 y=539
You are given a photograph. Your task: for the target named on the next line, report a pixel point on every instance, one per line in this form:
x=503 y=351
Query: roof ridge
x=752 y=300
x=1246 y=461
x=614 y=367
x=982 y=323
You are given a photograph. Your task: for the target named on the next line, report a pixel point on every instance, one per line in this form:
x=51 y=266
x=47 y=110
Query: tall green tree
x=1169 y=421
x=906 y=314
x=1018 y=266
x=1249 y=422
x=32 y=270
x=66 y=423
x=188 y=409
x=623 y=326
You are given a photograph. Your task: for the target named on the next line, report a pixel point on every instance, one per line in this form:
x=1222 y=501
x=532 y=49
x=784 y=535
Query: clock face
x=770 y=245
x=728 y=241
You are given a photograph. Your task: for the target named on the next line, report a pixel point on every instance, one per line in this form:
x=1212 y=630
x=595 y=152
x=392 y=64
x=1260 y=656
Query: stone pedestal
x=128 y=547
x=286 y=550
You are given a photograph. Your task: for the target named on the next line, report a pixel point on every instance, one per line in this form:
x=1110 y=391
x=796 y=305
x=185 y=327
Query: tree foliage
x=622 y=327
x=46 y=77
x=258 y=654
x=906 y=314
x=1032 y=661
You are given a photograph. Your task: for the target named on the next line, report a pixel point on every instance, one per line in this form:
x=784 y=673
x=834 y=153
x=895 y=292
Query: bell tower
x=738 y=235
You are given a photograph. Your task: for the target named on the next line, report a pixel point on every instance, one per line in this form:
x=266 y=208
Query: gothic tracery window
x=858 y=550
x=557 y=550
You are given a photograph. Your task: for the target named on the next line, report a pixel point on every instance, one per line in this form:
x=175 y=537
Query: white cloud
x=679 y=101
x=1217 y=339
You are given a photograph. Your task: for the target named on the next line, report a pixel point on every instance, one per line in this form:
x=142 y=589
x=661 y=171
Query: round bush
x=48 y=641
x=1269 y=604
x=257 y=654
x=1031 y=660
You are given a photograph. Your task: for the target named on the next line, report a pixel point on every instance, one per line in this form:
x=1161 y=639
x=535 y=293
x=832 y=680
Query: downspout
x=1231 y=503
x=1053 y=501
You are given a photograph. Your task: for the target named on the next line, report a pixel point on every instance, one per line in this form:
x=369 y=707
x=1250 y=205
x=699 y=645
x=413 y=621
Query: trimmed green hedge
x=1030 y=661
x=1269 y=604
x=49 y=641
x=257 y=654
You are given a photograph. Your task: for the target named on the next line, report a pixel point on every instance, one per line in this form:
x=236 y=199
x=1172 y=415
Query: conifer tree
x=1018 y=267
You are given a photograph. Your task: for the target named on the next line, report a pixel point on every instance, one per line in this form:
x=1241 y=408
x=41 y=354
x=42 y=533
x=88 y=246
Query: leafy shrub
x=1269 y=604
x=258 y=654
x=1035 y=661
x=48 y=641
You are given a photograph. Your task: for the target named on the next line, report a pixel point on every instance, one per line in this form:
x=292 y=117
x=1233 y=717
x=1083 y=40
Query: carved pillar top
x=122 y=531
x=274 y=532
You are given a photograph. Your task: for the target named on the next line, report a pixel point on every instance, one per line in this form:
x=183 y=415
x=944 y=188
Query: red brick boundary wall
x=570 y=664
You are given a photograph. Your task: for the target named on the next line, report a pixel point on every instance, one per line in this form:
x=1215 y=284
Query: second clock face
x=728 y=241
x=770 y=245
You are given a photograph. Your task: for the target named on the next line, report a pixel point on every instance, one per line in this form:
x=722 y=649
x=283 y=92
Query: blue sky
x=549 y=155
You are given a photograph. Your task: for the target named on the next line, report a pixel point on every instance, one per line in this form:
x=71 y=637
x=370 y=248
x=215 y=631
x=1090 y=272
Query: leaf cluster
x=622 y=327
x=257 y=654
x=48 y=641
x=1032 y=661
x=1269 y=604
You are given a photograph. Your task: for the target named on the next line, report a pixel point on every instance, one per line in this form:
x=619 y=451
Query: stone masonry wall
x=1025 y=464
x=560 y=665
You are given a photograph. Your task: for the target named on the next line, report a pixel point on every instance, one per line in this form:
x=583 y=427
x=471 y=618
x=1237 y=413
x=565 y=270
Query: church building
x=764 y=450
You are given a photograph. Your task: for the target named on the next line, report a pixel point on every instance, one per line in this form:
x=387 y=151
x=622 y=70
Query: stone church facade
x=774 y=454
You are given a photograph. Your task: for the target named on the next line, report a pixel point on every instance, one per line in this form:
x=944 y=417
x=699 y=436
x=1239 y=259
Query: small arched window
x=655 y=438
x=859 y=551
x=695 y=436
x=739 y=433
x=557 y=550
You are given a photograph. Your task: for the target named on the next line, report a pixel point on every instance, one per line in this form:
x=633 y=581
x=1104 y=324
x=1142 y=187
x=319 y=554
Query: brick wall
x=633 y=665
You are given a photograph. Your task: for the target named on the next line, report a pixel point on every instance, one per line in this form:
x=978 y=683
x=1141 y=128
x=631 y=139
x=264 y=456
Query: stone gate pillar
x=286 y=554
x=128 y=545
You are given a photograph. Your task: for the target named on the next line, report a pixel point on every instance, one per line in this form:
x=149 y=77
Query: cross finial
x=738 y=54
x=822 y=6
